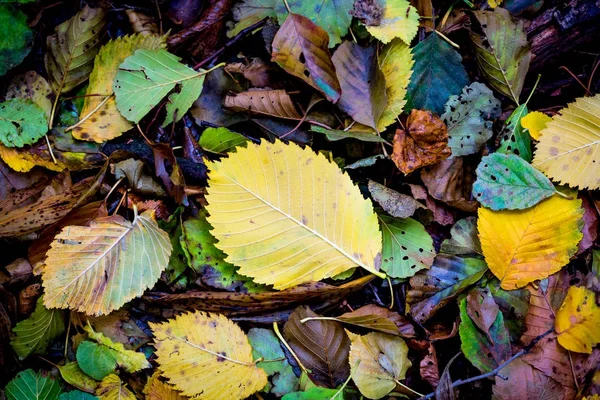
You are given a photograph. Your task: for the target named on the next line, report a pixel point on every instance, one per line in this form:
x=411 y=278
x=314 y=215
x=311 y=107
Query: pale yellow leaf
x=396 y=63
x=96 y=269
x=111 y=388
x=207 y=356
x=287 y=216
x=522 y=246
x=568 y=149
x=578 y=321
x=399 y=20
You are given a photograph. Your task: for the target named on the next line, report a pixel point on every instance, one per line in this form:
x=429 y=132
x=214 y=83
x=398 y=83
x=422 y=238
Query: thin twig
x=496 y=370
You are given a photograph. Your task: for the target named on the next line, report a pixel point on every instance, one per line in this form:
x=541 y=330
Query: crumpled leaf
x=112 y=388
x=567 y=148
x=396 y=63
x=104 y=121
x=577 y=321
x=407 y=247
x=34 y=87
x=377 y=360
x=363 y=85
x=81 y=254
x=399 y=20
x=469 y=117
x=249 y=12
x=463 y=238
x=259 y=73
x=322 y=346
x=514 y=138
x=208 y=107
x=425 y=142
x=33 y=334
x=502 y=52
x=221 y=140
x=300 y=47
x=438 y=73
x=71 y=49
x=485 y=354
x=212 y=352
x=394 y=203
x=22 y=122
x=156 y=389
x=507 y=182
x=266 y=346
x=331 y=15
x=451 y=181
x=265 y=177
x=139 y=181
x=447 y=278
x=147 y=76
x=272 y=103
x=29 y=385
x=535 y=122
x=16 y=38
x=522 y=246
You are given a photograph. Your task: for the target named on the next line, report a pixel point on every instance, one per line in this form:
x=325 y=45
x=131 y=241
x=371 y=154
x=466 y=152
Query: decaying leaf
x=394 y=203
x=264 y=178
x=272 y=103
x=34 y=87
x=425 y=142
x=483 y=310
x=249 y=12
x=207 y=356
x=577 y=321
x=522 y=246
x=92 y=269
x=379 y=319
x=463 y=238
x=525 y=382
x=451 y=181
x=156 y=389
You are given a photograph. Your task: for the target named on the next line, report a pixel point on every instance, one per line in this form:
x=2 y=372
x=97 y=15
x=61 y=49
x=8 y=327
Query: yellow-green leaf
x=104 y=121
x=130 y=360
x=111 y=388
x=207 y=356
x=396 y=62
x=287 y=216
x=578 y=321
x=31 y=86
x=74 y=376
x=535 y=122
x=377 y=361
x=568 y=148
x=522 y=246
x=96 y=269
x=399 y=20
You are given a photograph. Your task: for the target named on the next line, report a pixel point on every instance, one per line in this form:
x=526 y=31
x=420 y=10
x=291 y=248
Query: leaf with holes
x=207 y=354
x=22 y=122
x=328 y=229
x=221 y=140
x=96 y=269
x=514 y=138
x=300 y=47
x=396 y=62
x=577 y=321
x=507 y=182
x=33 y=87
x=272 y=103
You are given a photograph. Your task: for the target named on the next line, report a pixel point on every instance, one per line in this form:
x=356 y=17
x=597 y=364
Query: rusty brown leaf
x=272 y=103
x=428 y=367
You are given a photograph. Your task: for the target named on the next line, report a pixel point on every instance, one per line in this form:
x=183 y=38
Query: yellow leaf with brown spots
x=577 y=321
x=207 y=356
x=111 y=388
x=522 y=246
x=156 y=389
x=568 y=151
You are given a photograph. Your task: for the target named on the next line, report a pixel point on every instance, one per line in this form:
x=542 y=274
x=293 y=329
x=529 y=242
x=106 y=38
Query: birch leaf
x=105 y=122
x=207 y=356
x=577 y=321
x=522 y=246
x=96 y=269
x=568 y=146
x=288 y=216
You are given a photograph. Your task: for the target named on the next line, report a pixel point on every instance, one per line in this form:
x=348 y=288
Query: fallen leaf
x=463 y=238
x=379 y=319
x=590 y=225
x=514 y=138
x=526 y=245
x=483 y=310
x=249 y=12
x=17 y=37
x=22 y=122
x=74 y=376
x=258 y=73
x=525 y=382
x=139 y=180
x=394 y=203
x=30 y=385
x=425 y=142
x=112 y=388
x=221 y=140
x=428 y=367
x=577 y=321
x=451 y=181
x=398 y=20
x=34 y=87
x=535 y=122
x=338 y=134
x=212 y=349
x=272 y=103
x=156 y=389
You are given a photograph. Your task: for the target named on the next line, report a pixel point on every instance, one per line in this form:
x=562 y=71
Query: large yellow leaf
x=396 y=63
x=96 y=269
x=207 y=356
x=578 y=321
x=105 y=122
x=568 y=147
x=286 y=215
x=525 y=245
x=111 y=388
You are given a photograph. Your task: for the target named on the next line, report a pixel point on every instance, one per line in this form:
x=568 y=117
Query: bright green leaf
x=22 y=122
x=96 y=360
x=315 y=393
x=29 y=385
x=221 y=140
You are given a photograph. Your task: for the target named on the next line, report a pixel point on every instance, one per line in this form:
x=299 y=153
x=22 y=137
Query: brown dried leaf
x=272 y=103
x=482 y=309
x=396 y=204
x=425 y=142
x=300 y=47
x=322 y=346
x=451 y=181
x=380 y=319
x=525 y=382
x=428 y=367
x=141 y=23
x=259 y=73
x=441 y=214
x=590 y=225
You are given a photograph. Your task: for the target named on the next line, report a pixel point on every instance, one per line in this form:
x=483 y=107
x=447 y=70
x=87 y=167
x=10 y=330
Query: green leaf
x=96 y=360
x=131 y=361
x=507 y=182
x=74 y=376
x=149 y=75
x=438 y=73
x=29 y=385
x=407 y=247
x=35 y=333
x=249 y=12
x=447 y=278
x=265 y=345
x=334 y=135
x=477 y=347
x=221 y=140
x=16 y=38
x=365 y=162
x=315 y=393
x=469 y=118
x=178 y=259
x=502 y=52
x=208 y=261
x=77 y=395
x=331 y=15
x=22 y=122
x=516 y=139
x=463 y=238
